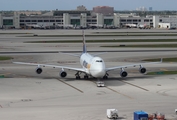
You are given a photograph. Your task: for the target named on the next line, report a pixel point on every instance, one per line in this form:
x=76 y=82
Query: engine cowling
x=38 y=70
x=63 y=74
x=123 y=74
x=142 y=70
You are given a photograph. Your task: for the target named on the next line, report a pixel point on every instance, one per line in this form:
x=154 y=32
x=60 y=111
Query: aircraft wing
x=54 y=66
x=131 y=65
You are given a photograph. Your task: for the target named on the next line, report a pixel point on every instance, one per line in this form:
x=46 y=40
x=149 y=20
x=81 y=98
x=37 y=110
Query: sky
x=89 y=4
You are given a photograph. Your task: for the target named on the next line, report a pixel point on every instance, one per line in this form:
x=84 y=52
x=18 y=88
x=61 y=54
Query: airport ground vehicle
x=112 y=113
x=140 y=115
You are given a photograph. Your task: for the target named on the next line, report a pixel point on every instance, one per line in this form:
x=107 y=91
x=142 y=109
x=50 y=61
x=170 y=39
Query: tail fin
x=84 y=44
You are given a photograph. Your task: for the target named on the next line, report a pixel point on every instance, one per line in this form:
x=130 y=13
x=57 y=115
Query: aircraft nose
x=100 y=72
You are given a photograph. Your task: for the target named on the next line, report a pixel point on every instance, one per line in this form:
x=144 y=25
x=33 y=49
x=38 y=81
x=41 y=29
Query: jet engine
x=38 y=70
x=63 y=74
x=142 y=70
x=123 y=73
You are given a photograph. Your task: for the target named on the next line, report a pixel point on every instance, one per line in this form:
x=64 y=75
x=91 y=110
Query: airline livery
x=91 y=66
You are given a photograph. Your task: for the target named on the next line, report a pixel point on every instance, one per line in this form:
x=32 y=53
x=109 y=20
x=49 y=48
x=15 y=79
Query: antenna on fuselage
x=84 y=44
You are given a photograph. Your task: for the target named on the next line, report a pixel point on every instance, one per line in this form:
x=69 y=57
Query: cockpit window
x=99 y=61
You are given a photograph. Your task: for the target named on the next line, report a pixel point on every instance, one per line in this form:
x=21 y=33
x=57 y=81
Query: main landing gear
x=106 y=76
x=78 y=75
x=86 y=76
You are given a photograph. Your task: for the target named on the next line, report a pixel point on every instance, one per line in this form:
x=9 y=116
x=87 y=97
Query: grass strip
x=147 y=46
x=170 y=32
x=112 y=40
x=5 y=58
x=162 y=73
x=14 y=33
x=164 y=60
x=98 y=35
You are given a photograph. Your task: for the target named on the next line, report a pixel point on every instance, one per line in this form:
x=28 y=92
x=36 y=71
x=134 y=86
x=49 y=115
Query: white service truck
x=112 y=113
x=100 y=84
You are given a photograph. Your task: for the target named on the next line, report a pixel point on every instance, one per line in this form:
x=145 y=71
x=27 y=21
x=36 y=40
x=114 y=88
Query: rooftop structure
x=81 y=8
x=28 y=13
x=105 y=10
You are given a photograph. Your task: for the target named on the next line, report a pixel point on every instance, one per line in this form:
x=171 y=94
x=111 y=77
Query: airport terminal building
x=84 y=18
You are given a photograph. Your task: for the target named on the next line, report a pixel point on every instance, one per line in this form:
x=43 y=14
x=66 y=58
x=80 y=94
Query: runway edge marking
x=70 y=85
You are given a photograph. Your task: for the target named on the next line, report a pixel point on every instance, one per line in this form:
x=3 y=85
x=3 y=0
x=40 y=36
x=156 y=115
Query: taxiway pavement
x=26 y=95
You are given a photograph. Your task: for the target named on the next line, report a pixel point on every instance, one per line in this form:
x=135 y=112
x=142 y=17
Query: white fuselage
x=94 y=66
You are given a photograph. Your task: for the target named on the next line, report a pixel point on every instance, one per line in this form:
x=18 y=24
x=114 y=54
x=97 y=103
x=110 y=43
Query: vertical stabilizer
x=84 y=45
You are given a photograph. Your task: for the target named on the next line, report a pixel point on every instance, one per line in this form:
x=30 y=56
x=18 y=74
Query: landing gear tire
x=78 y=77
x=86 y=77
x=105 y=77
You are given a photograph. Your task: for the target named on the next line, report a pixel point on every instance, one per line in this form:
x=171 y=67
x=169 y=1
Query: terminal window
x=52 y=20
x=58 y=20
x=27 y=20
x=34 y=20
x=75 y=21
x=7 y=22
x=108 y=21
x=40 y=20
x=146 y=20
x=46 y=20
x=129 y=20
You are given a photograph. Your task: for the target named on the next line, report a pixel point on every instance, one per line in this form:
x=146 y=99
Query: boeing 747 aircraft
x=91 y=66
